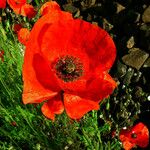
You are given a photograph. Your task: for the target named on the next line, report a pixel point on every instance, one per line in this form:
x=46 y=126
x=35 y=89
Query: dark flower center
x=134 y=135
x=69 y=68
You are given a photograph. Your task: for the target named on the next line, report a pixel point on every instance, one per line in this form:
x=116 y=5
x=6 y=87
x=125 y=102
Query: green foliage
x=24 y=127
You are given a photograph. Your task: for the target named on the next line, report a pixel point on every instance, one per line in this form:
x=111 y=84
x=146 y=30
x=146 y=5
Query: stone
x=106 y=25
x=147 y=63
x=70 y=8
x=130 y=42
x=135 y=58
x=146 y=15
x=119 y=8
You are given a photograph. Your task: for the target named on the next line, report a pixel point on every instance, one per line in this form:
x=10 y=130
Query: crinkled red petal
x=76 y=107
x=99 y=87
x=97 y=43
x=53 y=106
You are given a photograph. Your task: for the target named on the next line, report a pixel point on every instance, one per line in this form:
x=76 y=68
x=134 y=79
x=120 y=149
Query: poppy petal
x=44 y=74
x=100 y=46
x=127 y=145
x=33 y=90
x=52 y=107
x=2 y=3
x=99 y=88
x=49 y=7
x=16 y=5
x=76 y=107
x=23 y=35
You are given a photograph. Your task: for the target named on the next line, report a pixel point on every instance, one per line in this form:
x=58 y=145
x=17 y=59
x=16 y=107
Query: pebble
x=106 y=25
x=130 y=42
x=119 y=8
x=146 y=15
x=135 y=58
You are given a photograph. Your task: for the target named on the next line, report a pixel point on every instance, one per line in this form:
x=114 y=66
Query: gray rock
x=130 y=42
x=135 y=58
x=146 y=15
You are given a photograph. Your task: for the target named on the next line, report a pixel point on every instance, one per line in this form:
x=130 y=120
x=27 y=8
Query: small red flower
x=66 y=63
x=28 y=10
x=2 y=3
x=49 y=7
x=136 y=135
x=22 y=8
x=2 y=55
x=23 y=35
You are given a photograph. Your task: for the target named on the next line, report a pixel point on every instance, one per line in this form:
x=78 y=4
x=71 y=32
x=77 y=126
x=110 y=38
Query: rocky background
x=128 y=22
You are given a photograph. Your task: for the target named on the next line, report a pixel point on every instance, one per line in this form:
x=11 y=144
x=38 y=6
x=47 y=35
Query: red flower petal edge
x=49 y=7
x=136 y=135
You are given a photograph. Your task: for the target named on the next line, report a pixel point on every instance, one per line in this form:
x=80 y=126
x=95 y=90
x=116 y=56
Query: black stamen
x=69 y=68
x=134 y=135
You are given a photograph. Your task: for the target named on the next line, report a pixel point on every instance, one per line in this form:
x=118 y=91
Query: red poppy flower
x=137 y=135
x=2 y=55
x=49 y=7
x=2 y=3
x=66 y=63
x=23 y=35
x=16 y=5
